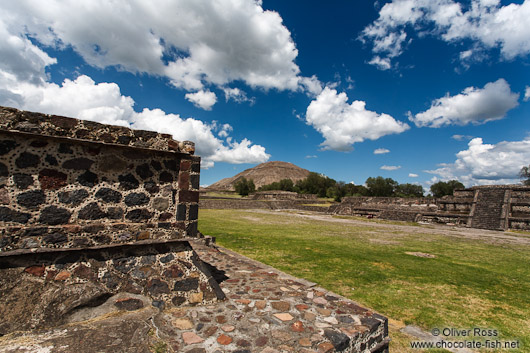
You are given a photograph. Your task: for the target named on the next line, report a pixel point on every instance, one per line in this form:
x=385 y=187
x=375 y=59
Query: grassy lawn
x=468 y=284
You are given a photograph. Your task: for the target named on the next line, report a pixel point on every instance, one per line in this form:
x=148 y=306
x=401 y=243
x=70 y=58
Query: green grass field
x=470 y=283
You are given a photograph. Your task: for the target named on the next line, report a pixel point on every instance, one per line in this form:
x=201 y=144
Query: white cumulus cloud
x=485 y=164
x=192 y=43
x=342 y=124
x=413 y=175
x=527 y=94
x=103 y=102
x=390 y=167
x=485 y=24
x=202 y=99
x=381 y=151
x=473 y=105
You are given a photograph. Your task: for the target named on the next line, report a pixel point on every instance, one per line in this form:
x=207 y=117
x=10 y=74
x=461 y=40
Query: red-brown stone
x=52 y=179
x=224 y=339
x=35 y=270
x=185 y=165
x=297 y=326
x=184 y=180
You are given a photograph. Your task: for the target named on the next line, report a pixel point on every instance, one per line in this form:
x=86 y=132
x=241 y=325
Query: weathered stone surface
x=52 y=179
x=128 y=182
x=55 y=238
x=184 y=181
x=136 y=199
x=186 y=285
x=339 y=340
x=188 y=196
x=74 y=197
x=4 y=196
x=22 y=181
x=80 y=163
x=54 y=215
x=156 y=286
x=194 y=179
x=160 y=203
x=165 y=177
x=111 y=163
x=3 y=170
x=151 y=187
x=165 y=216
x=181 y=212
x=7 y=146
x=65 y=148
x=143 y=171
x=171 y=164
x=27 y=160
x=10 y=215
x=140 y=214
x=224 y=339
x=115 y=213
x=109 y=195
x=129 y=304
x=91 y=211
x=88 y=179
x=31 y=199
x=284 y=316
x=281 y=306
x=51 y=160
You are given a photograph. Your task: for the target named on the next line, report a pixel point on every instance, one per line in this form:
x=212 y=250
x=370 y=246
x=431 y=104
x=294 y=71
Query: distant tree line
x=324 y=186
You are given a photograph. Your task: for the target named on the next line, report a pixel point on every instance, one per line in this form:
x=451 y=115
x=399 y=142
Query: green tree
x=525 y=175
x=244 y=187
x=315 y=184
x=381 y=186
x=443 y=188
x=409 y=190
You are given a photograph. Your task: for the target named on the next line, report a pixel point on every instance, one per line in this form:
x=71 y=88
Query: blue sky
x=414 y=90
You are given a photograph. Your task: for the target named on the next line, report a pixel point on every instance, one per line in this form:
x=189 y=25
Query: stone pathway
x=266 y=311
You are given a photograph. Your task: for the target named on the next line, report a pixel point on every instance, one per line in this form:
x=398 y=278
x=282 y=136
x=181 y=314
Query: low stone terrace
x=266 y=311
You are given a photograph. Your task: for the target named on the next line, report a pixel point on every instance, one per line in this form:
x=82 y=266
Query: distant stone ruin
x=282 y=195
x=498 y=207
x=89 y=210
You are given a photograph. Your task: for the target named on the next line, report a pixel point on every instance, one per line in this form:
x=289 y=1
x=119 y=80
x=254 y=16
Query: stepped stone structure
x=89 y=210
x=498 y=207
x=99 y=253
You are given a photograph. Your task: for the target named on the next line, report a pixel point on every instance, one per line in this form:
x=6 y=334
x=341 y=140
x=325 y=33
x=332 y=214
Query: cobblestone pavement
x=266 y=311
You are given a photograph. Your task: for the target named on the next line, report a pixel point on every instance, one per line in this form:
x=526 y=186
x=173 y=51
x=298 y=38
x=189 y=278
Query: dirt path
x=490 y=236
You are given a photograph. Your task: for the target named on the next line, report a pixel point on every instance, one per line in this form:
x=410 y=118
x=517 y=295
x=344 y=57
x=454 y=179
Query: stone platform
x=266 y=311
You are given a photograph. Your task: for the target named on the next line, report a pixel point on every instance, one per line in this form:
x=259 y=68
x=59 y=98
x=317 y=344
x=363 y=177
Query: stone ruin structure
x=88 y=210
x=498 y=207
x=97 y=224
x=282 y=195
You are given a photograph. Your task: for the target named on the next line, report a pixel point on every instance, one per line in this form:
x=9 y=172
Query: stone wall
x=282 y=195
x=488 y=207
x=71 y=183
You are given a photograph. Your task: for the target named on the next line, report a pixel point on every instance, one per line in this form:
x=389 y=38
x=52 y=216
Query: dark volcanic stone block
x=156 y=165
x=136 y=199
x=115 y=213
x=9 y=215
x=128 y=182
x=143 y=171
x=151 y=187
x=65 y=148
x=156 y=286
x=22 y=181
x=51 y=160
x=31 y=199
x=7 y=146
x=74 y=197
x=186 y=285
x=91 y=211
x=38 y=143
x=165 y=177
x=88 y=179
x=171 y=164
x=194 y=181
x=3 y=170
x=27 y=160
x=140 y=214
x=81 y=163
x=52 y=179
x=54 y=215
x=129 y=304
x=181 y=212
x=338 y=339
x=109 y=195
x=55 y=238
x=194 y=212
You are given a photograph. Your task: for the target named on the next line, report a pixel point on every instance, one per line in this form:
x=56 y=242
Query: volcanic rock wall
x=72 y=183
